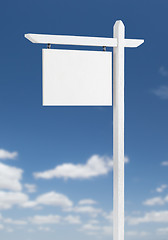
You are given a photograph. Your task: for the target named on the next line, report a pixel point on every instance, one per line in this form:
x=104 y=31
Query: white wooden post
x=118 y=132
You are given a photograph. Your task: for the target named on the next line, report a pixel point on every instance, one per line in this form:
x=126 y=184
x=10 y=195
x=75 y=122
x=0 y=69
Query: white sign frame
x=118 y=42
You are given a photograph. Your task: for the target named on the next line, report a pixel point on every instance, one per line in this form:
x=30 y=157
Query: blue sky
x=35 y=139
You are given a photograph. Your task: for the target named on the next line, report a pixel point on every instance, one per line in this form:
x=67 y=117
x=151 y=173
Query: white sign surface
x=77 y=78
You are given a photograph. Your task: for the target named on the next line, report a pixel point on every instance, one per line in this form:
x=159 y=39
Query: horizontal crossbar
x=71 y=40
x=81 y=41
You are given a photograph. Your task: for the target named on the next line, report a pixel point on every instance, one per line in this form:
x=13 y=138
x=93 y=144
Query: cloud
x=162 y=231
x=86 y=210
x=90 y=227
x=93 y=221
x=108 y=216
x=107 y=230
x=1 y=227
x=50 y=219
x=31 y=188
x=54 y=199
x=72 y=219
x=161 y=188
x=87 y=202
x=46 y=229
x=156 y=201
x=10 y=177
x=95 y=166
x=95 y=229
x=15 y=222
x=50 y=199
x=10 y=230
x=149 y=217
x=7 y=155
x=54 y=219
x=163 y=71
x=11 y=221
x=161 y=92
x=136 y=233
x=131 y=233
x=29 y=204
x=126 y=159
x=165 y=163
x=8 y=199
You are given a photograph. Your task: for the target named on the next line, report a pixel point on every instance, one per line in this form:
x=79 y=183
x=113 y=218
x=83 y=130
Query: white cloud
x=165 y=163
x=154 y=216
x=50 y=219
x=161 y=92
x=131 y=233
x=10 y=221
x=7 y=155
x=154 y=201
x=108 y=216
x=126 y=159
x=10 y=230
x=10 y=177
x=29 y=204
x=91 y=227
x=161 y=188
x=50 y=199
x=31 y=188
x=15 y=222
x=136 y=233
x=95 y=166
x=93 y=221
x=108 y=230
x=8 y=199
x=54 y=219
x=91 y=233
x=163 y=71
x=85 y=209
x=72 y=219
x=162 y=231
x=143 y=233
x=46 y=229
x=94 y=229
x=1 y=227
x=87 y=202
x=31 y=230
x=54 y=199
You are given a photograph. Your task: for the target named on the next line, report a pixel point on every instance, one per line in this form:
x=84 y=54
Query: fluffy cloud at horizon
x=98 y=222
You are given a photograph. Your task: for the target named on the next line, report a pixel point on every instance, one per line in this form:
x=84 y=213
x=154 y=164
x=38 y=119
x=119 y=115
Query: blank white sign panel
x=77 y=78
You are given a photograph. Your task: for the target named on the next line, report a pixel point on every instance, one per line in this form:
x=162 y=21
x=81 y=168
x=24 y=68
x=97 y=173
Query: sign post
x=118 y=132
x=97 y=90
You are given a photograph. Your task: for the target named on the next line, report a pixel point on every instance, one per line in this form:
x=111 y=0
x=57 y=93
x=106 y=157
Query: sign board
x=77 y=78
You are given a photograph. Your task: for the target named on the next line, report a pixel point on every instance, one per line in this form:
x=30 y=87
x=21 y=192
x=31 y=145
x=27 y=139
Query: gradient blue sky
x=36 y=139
